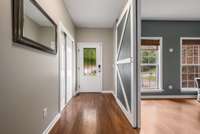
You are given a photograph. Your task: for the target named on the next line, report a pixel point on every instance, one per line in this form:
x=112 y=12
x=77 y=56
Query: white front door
x=90 y=67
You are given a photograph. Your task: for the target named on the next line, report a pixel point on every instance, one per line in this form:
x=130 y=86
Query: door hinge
x=78 y=50
x=132 y=60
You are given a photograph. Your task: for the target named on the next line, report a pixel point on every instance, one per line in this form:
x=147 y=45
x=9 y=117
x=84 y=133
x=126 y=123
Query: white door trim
x=78 y=68
x=138 y=40
x=61 y=29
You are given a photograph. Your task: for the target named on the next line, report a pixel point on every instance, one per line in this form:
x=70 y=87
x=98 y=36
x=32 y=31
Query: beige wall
x=106 y=37
x=28 y=77
x=47 y=36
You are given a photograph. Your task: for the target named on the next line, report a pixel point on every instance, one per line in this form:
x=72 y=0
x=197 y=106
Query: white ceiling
x=103 y=13
x=171 y=9
x=95 y=13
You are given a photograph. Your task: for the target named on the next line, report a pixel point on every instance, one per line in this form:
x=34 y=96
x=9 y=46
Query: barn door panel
x=126 y=63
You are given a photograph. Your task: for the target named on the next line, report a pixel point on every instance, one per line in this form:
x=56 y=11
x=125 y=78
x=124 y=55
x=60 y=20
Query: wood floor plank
x=92 y=113
x=180 y=116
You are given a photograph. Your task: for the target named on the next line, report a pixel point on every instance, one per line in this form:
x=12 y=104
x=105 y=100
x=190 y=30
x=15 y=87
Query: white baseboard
x=51 y=125
x=104 y=92
x=169 y=97
x=88 y=91
x=107 y=92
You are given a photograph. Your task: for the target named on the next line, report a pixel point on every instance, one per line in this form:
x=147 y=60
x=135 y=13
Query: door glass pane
x=120 y=95
x=125 y=71
x=125 y=50
x=119 y=30
x=89 y=62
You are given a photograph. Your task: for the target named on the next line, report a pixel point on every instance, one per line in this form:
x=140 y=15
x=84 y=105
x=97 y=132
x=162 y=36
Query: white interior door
x=69 y=69
x=89 y=67
x=62 y=70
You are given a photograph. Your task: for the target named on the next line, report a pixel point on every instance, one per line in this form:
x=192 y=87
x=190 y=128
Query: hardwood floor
x=99 y=114
x=93 y=114
x=170 y=117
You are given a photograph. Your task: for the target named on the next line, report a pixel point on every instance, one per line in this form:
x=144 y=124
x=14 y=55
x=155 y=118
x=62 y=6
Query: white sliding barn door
x=127 y=64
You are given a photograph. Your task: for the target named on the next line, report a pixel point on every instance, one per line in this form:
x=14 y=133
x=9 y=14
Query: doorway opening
x=67 y=65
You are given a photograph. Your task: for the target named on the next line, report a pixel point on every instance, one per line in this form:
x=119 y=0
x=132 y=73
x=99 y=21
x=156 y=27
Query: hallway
x=93 y=114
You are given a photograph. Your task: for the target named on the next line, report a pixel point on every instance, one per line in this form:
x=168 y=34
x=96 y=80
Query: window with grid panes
x=190 y=63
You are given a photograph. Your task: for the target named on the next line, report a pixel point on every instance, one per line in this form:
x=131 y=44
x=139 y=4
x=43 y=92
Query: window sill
x=189 y=90
x=151 y=90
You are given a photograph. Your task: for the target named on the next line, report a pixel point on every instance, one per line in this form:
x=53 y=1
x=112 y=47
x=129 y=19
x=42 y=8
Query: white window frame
x=160 y=62
x=181 y=41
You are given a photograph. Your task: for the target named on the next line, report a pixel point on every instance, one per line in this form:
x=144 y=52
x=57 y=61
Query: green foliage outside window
x=89 y=61
x=148 y=56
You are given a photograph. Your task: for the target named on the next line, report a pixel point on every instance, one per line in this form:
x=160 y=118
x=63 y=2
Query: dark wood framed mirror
x=33 y=27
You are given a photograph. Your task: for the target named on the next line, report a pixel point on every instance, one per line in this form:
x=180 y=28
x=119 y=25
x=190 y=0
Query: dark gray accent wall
x=171 y=31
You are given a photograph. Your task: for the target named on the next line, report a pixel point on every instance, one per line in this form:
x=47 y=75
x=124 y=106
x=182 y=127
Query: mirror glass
x=37 y=27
